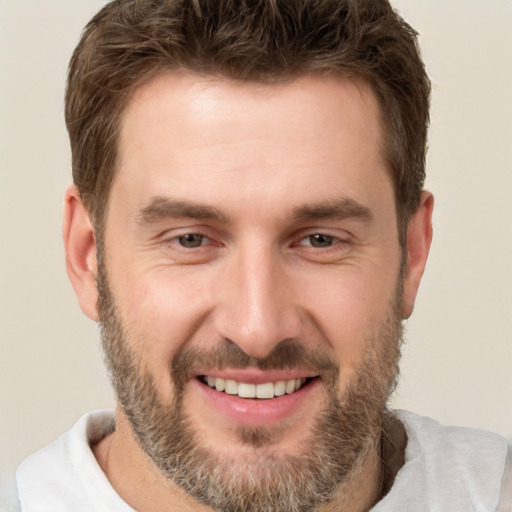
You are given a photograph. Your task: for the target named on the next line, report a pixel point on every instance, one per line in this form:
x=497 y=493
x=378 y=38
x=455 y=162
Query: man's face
x=250 y=288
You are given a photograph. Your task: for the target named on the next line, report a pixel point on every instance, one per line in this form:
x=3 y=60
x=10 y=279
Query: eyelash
x=317 y=238
x=199 y=235
x=175 y=241
x=205 y=240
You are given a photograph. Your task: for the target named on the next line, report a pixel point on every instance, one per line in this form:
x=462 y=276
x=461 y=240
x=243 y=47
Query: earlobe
x=419 y=238
x=80 y=246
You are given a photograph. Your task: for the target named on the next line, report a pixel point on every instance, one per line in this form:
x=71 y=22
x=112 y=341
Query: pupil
x=321 y=240
x=191 y=240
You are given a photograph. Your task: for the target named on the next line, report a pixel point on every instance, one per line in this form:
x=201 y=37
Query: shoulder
x=65 y=474
x=448 y=468
x=60 y=457
x=428 y=438
x=8 y=493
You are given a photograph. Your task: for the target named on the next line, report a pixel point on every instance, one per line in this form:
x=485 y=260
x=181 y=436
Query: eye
x=192 y=240
x=319 y=240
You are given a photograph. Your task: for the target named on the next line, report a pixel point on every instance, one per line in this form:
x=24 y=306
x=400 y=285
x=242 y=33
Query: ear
x=419 y=238
x=80 y=246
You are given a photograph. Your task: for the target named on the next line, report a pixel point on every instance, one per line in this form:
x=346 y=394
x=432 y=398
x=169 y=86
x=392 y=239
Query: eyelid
x=202 y=239
x=336 y=233
x=175 y=237
x=174 y=232
x=181 y=254
x=308 y=238
x=172 y=235
x=216 y=235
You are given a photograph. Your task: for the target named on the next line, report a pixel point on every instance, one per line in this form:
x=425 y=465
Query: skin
x=258 y=155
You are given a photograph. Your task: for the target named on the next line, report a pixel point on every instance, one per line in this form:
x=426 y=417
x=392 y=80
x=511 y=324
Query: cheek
x=161 y=311
x=349 y=308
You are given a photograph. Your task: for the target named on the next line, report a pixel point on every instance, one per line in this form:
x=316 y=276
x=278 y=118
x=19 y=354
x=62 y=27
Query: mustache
x=287 y=354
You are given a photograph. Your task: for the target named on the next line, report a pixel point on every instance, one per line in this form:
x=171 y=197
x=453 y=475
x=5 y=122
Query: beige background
x=457 y=361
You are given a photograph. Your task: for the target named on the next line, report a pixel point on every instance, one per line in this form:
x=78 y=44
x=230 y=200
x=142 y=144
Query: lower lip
x=253 y=411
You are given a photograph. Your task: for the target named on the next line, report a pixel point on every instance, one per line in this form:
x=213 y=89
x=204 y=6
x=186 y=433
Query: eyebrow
x=161 y=208
x=341 y=209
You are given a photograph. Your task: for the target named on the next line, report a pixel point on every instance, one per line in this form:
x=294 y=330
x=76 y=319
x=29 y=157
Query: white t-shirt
x=446 y=469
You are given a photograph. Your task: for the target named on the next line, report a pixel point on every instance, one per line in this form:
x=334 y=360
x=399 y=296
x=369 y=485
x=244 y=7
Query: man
x=248 y=225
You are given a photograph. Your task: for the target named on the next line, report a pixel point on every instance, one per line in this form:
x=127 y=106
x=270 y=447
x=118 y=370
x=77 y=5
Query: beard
x=342 y=436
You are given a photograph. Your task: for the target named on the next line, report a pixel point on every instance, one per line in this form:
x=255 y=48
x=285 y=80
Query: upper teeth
x=245 y=390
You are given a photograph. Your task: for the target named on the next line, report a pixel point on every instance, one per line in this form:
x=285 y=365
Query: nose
x=255 y=307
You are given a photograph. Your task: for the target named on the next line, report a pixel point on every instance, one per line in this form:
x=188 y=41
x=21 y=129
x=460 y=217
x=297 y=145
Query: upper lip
x=256 y=376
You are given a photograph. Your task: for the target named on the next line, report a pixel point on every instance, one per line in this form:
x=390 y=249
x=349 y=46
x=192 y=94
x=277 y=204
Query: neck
x=141 y=486
x=133 y=476
x=362 y=490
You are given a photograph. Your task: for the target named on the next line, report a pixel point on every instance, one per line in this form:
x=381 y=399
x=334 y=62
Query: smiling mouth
x=264 y=391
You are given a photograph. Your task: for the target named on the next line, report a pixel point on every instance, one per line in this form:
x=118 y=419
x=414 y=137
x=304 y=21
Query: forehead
x=311 y=103
x=185 y=134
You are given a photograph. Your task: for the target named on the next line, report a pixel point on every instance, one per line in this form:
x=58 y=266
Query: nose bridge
x=256 y=312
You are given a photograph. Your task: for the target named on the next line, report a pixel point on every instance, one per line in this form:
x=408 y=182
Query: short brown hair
x=252 y=40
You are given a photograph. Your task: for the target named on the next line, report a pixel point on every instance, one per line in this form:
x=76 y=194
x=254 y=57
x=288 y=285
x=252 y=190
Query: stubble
x=343 y=434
